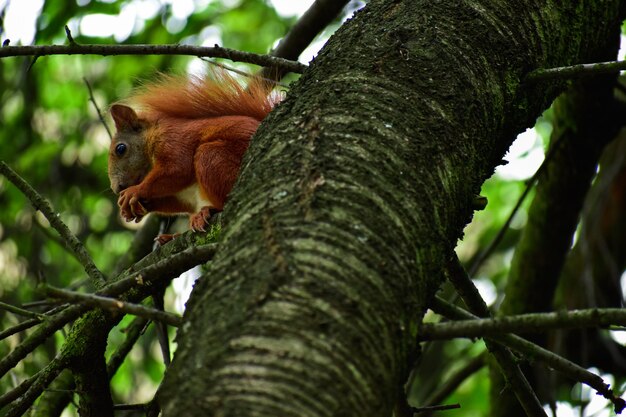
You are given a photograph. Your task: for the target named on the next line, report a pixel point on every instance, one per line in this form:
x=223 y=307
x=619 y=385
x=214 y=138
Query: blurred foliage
x=52 y=136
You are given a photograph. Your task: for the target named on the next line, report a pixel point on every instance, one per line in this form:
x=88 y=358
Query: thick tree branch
x=108 y=50
x=591 y=275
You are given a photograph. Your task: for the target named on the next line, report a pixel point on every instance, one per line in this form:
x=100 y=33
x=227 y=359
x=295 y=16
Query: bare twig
x=70 y=38
x=144 y=278
x=39 y=335
x=41 y=382
x=21 y=311
x=115 y=305
x=171 y=266
x=95 y=105
x=134 y=330
x=171 y=49
x=505 y=359
x=310 y=24
x=529 y=186
x=18 y=391
x=242 y=73
x=535 y=352
x=576 y=71
x=431 y=408
x=533 y=322
x=70 y=239
x=25 y=325
x=452 y=383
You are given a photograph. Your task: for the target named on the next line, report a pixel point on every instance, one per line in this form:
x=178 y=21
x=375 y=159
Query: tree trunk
x=353 y=194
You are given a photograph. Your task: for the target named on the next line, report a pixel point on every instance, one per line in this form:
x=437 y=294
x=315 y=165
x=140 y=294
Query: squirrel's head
x=129 y=162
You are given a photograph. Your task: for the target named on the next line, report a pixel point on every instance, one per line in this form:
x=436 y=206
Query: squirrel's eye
x=120 y=149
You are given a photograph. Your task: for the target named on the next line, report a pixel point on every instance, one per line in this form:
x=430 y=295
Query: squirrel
x=181 y=151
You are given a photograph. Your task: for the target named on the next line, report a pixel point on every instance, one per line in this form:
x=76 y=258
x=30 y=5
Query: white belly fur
x=192 y=196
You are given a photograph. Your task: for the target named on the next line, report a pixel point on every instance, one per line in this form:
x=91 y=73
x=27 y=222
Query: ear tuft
x=125 y=117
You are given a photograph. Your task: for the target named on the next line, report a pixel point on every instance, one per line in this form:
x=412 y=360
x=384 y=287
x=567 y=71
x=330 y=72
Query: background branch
x=311 y=23
x=574 y=71
x=531 y=350
x=505 y=359
x=532 y=322
x=172 y=49
x=55 y=221
x=115 y=305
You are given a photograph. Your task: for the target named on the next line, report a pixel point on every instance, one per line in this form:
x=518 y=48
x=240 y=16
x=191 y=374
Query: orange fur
x=193 y=97
x=185 y=144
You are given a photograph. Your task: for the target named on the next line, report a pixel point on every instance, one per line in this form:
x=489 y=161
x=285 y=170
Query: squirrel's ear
x=125 y=117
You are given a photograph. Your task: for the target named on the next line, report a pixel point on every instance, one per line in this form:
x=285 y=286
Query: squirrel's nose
x=118 y=188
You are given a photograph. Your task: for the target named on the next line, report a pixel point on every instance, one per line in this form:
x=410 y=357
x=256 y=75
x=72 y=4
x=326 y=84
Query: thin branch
x=21 y=312
x=39 y=335
x=138 y=49
x=453 y=382
x=12 y=395
x=20 y=327
x=114 y=305
x=70 y=38
x=529 y=186
x=134 y=330
x=95 y=105
x=171 y=266
x=43 y=206
x=505 y=359
x=43 y=379
x=144 y=278
x=431 y=408
x=27 y=324
x=242 y=73
x=576 y=71
x=532 y=322
x=531 y=350
x=311 y=23
x=134 y=407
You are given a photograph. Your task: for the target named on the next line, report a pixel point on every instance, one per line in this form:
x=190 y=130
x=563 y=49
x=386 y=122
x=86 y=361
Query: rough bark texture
x=353 y=193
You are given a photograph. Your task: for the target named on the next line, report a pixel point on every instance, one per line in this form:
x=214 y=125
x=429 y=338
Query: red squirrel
x=181 y=151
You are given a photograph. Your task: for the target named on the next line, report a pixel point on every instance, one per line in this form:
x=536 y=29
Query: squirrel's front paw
x=200 y=219
x=130 y=206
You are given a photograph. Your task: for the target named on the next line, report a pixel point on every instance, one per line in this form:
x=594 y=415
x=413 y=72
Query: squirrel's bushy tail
x=198 y=97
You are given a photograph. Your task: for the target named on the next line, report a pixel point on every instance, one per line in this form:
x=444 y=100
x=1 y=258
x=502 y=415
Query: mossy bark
x=353 y=194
